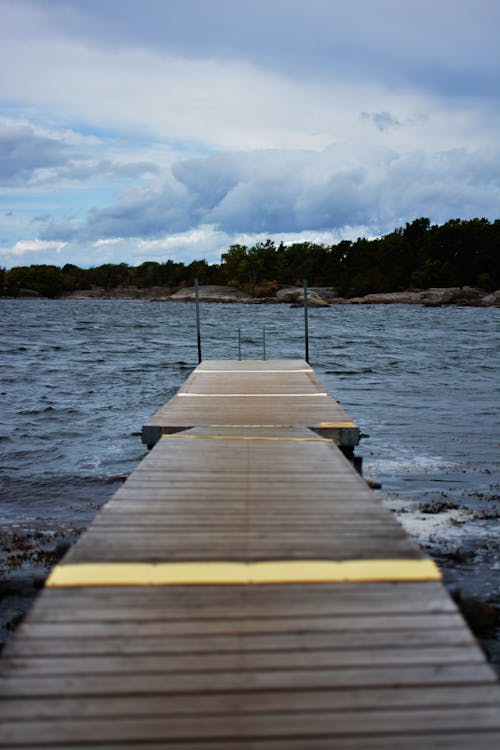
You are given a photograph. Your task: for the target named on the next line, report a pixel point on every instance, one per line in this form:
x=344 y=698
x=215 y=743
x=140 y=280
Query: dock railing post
x=306 y=324
x=198 y=335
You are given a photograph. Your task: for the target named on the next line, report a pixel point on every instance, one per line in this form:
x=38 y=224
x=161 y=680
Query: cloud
x=382 y=120
x=205 y=242
x=22 y=152
x=81 y=170
x=219 y=95
x=30 y=157
x=36 y=246
x=293 y=191
x=416 y=42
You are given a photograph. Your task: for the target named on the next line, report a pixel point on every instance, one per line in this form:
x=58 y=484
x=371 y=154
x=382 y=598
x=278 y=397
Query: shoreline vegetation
x=455 y=263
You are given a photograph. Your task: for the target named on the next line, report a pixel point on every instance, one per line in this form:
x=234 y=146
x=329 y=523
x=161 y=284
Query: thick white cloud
x=23 y=247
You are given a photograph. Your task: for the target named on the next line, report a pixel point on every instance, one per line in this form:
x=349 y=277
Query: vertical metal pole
x=306 y=323
x=198 y=335
x=264 y=342
x=239 y=344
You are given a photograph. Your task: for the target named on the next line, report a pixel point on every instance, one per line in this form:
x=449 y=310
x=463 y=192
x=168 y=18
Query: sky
x=146 y=130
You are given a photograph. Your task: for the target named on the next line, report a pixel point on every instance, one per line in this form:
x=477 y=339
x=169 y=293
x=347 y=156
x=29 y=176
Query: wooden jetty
x=245 y=589
x=271 y=393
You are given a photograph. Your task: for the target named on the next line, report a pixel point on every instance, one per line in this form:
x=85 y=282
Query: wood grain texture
x=231 y=500
x=272 y=393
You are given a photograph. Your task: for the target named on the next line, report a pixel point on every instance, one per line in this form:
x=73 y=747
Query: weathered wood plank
x=133 y=624
x=246 y=702
x=228 y=727
x=255 y=642
x=481 y=740
x=229 y=681
x=240 y=660
x=309 y=602
x=298 y=551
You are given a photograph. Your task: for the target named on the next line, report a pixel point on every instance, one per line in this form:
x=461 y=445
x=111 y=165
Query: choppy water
x=79 y=378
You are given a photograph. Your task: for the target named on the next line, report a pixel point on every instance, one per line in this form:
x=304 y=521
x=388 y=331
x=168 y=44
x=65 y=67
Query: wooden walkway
x=245 y=589
x=274 y=393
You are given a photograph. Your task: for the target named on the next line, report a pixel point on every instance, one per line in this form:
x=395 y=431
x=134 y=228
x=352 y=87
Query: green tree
x=110 y=275
x=235 y=266
x=44 y=279
x=146 y=275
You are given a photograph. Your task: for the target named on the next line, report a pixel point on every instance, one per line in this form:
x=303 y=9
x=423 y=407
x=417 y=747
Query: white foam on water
x=407 y=463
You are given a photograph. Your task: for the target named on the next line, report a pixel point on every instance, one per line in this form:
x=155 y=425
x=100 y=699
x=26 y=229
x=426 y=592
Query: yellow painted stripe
x=217 y=573
x=347 y=423
x=248 y=437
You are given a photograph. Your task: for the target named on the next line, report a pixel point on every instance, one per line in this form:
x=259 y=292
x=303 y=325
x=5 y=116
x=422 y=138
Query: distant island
x=454 y=263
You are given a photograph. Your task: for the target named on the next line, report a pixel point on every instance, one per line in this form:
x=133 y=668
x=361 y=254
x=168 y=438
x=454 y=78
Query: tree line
x=419 y=255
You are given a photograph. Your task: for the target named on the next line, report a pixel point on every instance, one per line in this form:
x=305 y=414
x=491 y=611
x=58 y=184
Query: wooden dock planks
x=196 y=497
x=354 y=664
x=271 y=393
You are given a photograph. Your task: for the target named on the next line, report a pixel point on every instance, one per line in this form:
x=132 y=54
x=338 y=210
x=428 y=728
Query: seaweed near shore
x=26 y=557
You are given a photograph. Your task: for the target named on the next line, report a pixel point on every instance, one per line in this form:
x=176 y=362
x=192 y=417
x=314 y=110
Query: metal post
x=198 y=335
x=264 y=342
x=306 y=323
x=239 y=344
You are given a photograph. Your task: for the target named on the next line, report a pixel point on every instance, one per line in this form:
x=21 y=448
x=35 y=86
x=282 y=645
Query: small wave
x=140 y=367
x=29 y=412
x=361 y=371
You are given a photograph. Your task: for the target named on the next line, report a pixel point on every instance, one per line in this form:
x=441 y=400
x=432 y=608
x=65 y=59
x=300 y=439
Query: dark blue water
x=79 y=378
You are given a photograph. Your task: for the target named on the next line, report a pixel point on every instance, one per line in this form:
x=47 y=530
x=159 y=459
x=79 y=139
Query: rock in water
x=296 y=296
x=211 y=294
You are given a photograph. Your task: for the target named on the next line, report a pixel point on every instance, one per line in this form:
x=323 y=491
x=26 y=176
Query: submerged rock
x=211 y=294
x=388 y=298
x=121 y=292
x=295 y=295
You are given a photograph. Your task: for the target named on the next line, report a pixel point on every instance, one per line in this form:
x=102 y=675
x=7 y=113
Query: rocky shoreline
x=317 y=296
x=438 y=297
